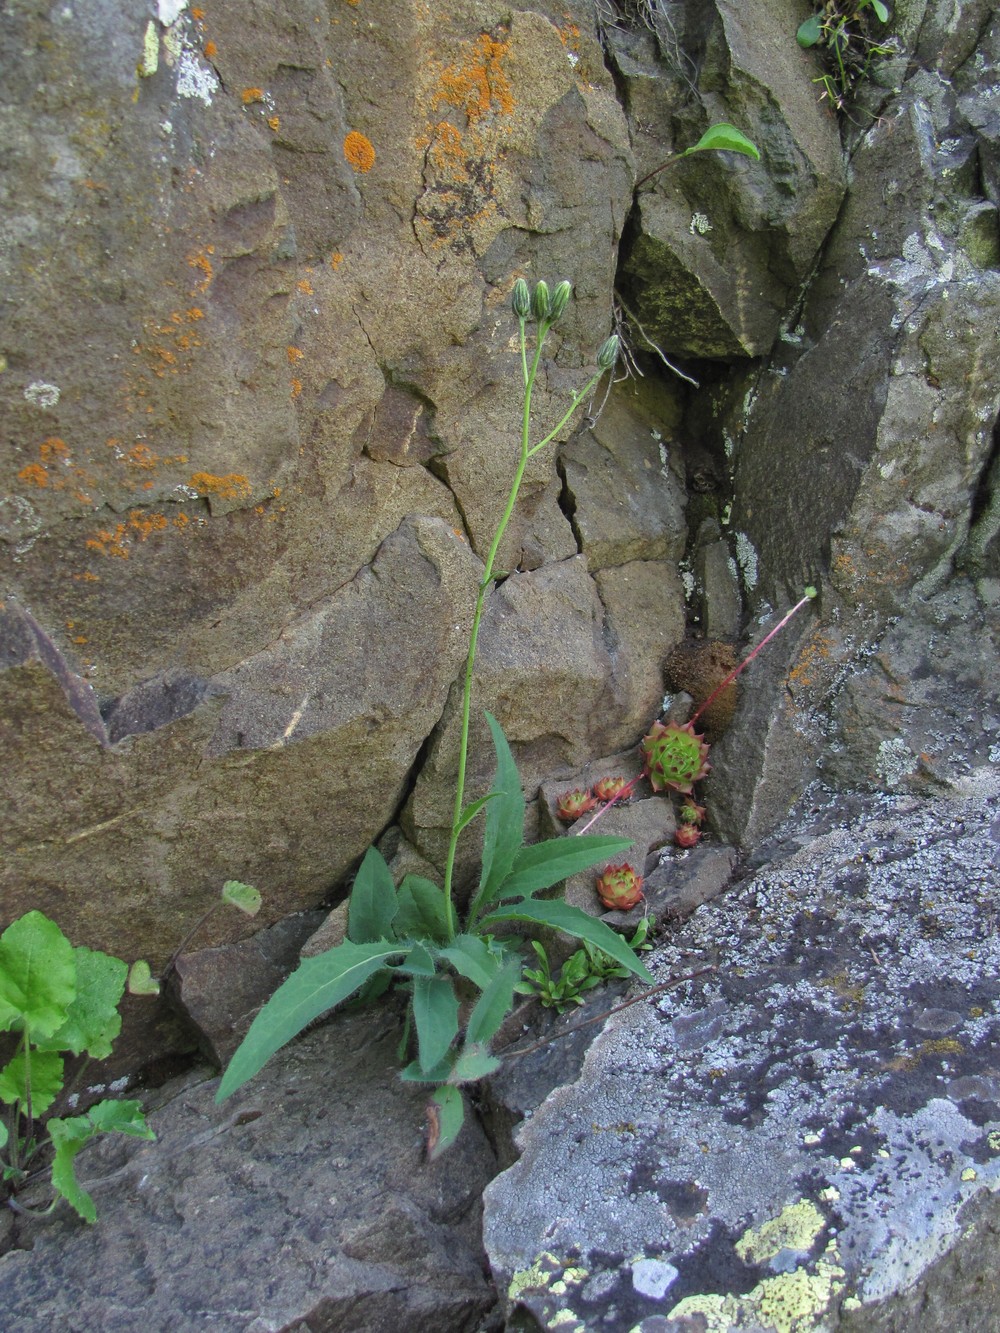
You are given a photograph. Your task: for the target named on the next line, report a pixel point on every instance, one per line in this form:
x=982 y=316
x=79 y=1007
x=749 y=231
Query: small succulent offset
x=619 y=888
x=460 y=976
x=573 y=805
x=675 y=756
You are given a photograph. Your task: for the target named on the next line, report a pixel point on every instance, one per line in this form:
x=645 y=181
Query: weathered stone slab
x=797 y=1139
x=303 y=1201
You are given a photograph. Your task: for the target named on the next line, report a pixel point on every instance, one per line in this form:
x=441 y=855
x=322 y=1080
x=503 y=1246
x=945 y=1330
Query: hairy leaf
x=473 y=1064
x=445 y=1117
x=141 y=980
x=419 y=962
x=494 y=1004
x=562 y=916
x=373 y=901
x=546 y=863
x=504 y=822
x=422 y=913
x=472 y=958
x=811 y=31
x=37 y=976
x=435 y=1014
x=317 y=985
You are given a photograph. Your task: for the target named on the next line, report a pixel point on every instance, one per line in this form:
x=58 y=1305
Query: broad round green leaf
x=811 y=31
x=141 y=980
x=93 y=1021
x=37 y=976
x=45 y=1069
x=724 y=138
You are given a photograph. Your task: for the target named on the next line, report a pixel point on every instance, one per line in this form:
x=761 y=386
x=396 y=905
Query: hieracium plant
x=460 y=969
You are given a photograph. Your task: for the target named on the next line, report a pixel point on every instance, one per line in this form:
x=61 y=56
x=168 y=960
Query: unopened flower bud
x=541 y=301
x=521 y=299
x=607 y=353
x=560 y=300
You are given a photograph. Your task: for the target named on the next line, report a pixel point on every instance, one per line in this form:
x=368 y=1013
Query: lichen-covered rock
x=255 y=362
x=801 y=1137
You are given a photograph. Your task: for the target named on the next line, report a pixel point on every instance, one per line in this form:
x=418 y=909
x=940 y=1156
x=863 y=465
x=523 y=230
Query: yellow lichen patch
x=305 y=287
x=336 y=259
x=795 y=1228
x=233 y=486
x=294 y=354
x=250 y=95
x=359 y=151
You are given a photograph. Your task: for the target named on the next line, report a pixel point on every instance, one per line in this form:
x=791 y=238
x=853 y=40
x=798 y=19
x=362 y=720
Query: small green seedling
x=62 y=1001
x=582 y=971
x=839 y=29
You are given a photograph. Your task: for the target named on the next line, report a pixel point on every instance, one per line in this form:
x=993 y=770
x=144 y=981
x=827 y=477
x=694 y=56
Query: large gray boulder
x=808 y=1136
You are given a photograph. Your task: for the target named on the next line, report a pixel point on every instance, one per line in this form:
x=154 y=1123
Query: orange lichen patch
x=201 y=261
x=198 y=15
x=53 y=449
x=233 y=486
x=305 y=287
x=336 y=259
x=194 y=314
x=466 y=147
x=87 y=577
x=110 y=542
x=359 y=151
x=478 y=85
x=296 y=388
x=294 y=354
x=211 y=50
x=34 y=474
x=250 y=95
x=146 y=524
x=274 y=122
x=814 y=658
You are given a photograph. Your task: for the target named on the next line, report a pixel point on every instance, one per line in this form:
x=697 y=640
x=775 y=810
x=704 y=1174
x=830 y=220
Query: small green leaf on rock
x=141 y=980
x=243 y=896
x=724 y=138
x=810 y=32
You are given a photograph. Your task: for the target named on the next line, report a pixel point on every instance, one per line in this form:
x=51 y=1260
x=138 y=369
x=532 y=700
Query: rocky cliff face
x=260 y=404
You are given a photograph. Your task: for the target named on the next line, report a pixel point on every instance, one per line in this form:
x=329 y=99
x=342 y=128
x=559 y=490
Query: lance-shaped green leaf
x=435 y=1014
x=419 y=962
x=563 y=916
x=494 y=1004
x=373 y=901
x=445 y=1116
x=546 y=863
x=37 y=976
x=504 y=823
x=93 y=1021
x=725 y=138
x=472 y=1064
x=472 y=958
x=422 y=914
x=317 y=985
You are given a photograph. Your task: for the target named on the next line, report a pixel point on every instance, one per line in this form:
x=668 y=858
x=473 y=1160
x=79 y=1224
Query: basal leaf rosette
x=676 y=757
